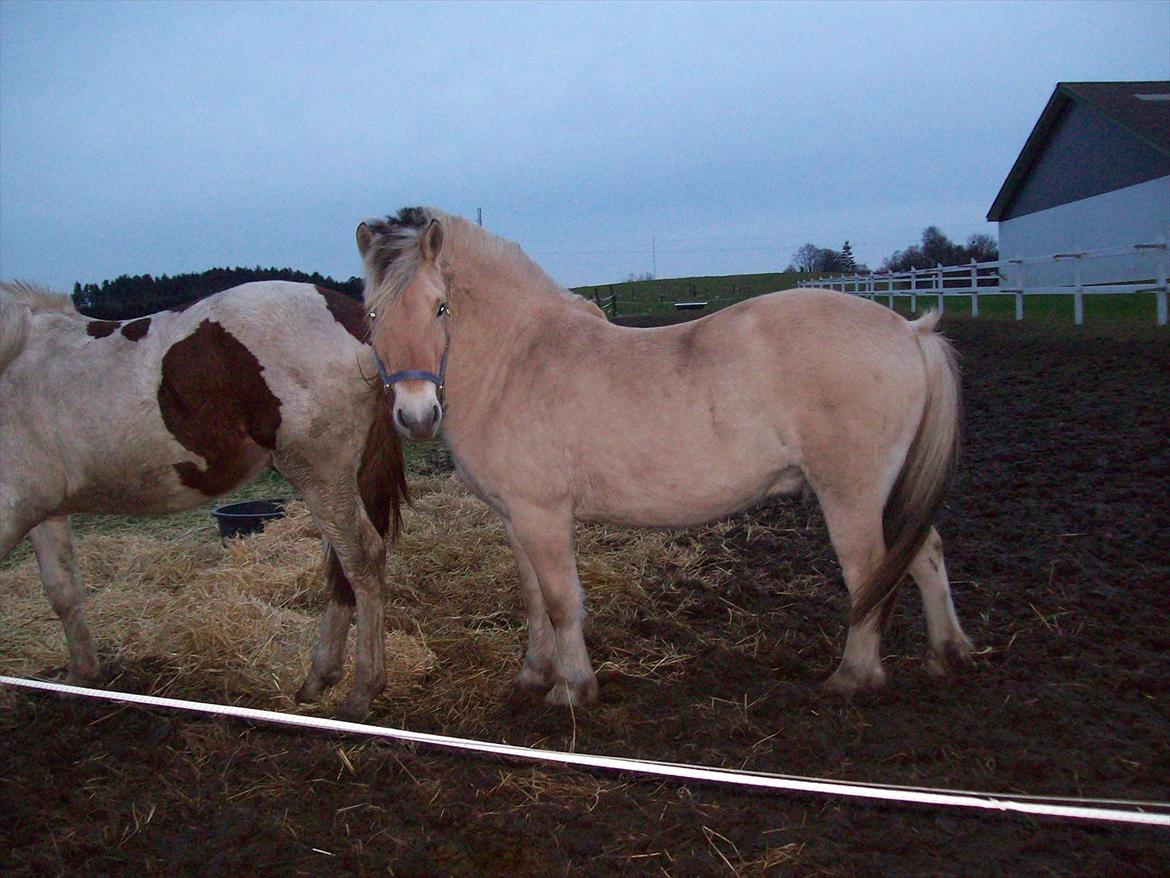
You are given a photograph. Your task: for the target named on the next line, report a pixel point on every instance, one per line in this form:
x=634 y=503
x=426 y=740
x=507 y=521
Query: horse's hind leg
x=53 y=544
x=855 y=529
x=329 y=654
x=950 y=648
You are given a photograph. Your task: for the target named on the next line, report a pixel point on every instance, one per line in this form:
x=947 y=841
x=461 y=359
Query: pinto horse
x=552 y=416
x=161 y=413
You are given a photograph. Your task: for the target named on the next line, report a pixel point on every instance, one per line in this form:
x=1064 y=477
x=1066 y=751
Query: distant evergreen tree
x=847 y=262
x=130 y=296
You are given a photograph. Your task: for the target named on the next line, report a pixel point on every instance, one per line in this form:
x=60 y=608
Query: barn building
x=1093 y=174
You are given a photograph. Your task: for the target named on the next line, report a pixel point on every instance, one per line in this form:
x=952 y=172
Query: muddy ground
x=1058 y=543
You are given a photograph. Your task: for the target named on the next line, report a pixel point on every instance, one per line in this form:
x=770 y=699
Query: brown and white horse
x=161 y=413
x=553 y=416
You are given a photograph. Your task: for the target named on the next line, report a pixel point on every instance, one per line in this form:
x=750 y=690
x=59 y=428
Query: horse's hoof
x=94 y=677
x=954 y=655
x=309 y=693
x=532 y=680
x=565 y=694
x=354 y=709
x=849 y=681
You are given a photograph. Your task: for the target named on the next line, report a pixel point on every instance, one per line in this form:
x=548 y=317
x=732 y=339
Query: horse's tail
x=926 y=473
x=382 y=484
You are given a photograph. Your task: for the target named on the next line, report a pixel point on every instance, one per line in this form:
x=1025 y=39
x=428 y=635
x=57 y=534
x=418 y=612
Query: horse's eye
x=442 y=310
x=373 y=315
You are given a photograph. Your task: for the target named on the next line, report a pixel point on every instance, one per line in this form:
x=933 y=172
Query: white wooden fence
x=1091 y=272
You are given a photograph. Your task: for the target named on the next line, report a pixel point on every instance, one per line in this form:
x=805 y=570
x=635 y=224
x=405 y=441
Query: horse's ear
x=365 y=239
x=431 y=240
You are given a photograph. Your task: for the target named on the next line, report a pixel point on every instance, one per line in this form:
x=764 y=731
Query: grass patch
x=1119 y=307
x=658 y=297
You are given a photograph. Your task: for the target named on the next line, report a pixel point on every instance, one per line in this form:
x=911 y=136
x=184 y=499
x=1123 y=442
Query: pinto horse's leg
x=329 y=655
x=539 y=667
x=950 y=648
x=855 y=529
x=362 y=553
x=53 y=543
x=547 y=544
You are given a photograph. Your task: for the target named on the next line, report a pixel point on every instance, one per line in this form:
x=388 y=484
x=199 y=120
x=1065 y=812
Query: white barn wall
x=1134 y=215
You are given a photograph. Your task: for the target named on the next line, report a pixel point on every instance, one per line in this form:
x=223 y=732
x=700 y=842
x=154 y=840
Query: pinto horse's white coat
x=553 y=415
x=122 y=417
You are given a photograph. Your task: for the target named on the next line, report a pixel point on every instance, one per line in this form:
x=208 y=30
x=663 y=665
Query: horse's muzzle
x=419 y=421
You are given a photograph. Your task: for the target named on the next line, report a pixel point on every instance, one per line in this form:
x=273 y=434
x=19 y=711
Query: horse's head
x=408 y=313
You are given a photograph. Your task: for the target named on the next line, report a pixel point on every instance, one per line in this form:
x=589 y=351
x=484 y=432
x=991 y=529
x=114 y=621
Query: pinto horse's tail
x=382 y=484
x=926 y=473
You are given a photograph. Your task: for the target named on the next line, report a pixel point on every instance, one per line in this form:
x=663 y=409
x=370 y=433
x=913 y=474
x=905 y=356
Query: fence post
x=1078 y=298
x=612 y=302
x=938 y=279
x=913 y=290
x=1162 y=258
x=974 y=288
x=1019 y=287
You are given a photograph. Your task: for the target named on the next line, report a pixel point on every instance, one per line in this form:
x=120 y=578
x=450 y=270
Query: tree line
x=130 y=296
x=935 y=249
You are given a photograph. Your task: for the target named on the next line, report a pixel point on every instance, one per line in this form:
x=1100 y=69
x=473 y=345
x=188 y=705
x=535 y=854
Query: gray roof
x=1126 y=104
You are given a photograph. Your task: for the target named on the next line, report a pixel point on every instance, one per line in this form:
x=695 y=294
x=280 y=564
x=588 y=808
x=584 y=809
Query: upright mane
x=36 y=297
x=18 y=302
x=393 y=256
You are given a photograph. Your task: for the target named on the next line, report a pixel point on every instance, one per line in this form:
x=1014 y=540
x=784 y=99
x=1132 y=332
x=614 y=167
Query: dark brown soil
x=1058 y=542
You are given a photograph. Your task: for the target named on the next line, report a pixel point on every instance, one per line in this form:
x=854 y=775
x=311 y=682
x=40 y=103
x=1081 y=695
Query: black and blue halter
x=439 y=380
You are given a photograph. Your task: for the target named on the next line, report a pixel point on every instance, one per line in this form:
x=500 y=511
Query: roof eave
x=1040 y=131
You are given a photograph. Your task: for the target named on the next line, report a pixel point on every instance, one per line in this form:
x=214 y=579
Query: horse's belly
x=688 y=502
x=153 y=489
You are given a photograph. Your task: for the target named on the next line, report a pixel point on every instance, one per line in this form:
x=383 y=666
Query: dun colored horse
x=162 y=413
x=552 y=416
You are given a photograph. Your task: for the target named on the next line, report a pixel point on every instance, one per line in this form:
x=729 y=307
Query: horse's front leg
x=362 y=553
x=547 y=544
x=539 y=669
x=329 y=655
x=52 y=541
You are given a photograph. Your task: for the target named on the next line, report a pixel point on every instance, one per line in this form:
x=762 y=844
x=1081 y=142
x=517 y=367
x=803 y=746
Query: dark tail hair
x=382 y=484
x=926 y=474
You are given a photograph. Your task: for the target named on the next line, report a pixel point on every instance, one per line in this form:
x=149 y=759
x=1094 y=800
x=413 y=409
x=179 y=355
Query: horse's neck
x=495 y=322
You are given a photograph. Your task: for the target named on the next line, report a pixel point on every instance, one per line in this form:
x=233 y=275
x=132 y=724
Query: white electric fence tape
x=1156 y=813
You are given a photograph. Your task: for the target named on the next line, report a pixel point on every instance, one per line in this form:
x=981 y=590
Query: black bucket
x=249 y=517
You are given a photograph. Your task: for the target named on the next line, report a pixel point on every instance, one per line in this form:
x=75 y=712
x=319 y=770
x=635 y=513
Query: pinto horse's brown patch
x=101 y=328
x=136 y=329
x=346 y=311
x=214 y=400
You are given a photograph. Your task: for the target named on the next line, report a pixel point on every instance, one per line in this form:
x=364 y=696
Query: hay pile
x=184 y=615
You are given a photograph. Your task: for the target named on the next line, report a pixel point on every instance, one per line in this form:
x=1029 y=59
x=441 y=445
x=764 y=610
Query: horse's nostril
x=434 y=415
x=402 y=420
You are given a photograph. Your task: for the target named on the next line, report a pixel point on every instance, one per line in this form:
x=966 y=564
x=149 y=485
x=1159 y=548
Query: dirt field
x=1058 y=544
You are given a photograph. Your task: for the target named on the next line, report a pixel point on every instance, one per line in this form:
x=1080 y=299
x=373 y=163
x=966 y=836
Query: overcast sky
x=607 y=139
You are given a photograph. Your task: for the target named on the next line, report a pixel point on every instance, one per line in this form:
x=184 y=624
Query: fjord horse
x=162 y=413
x=552 y=416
